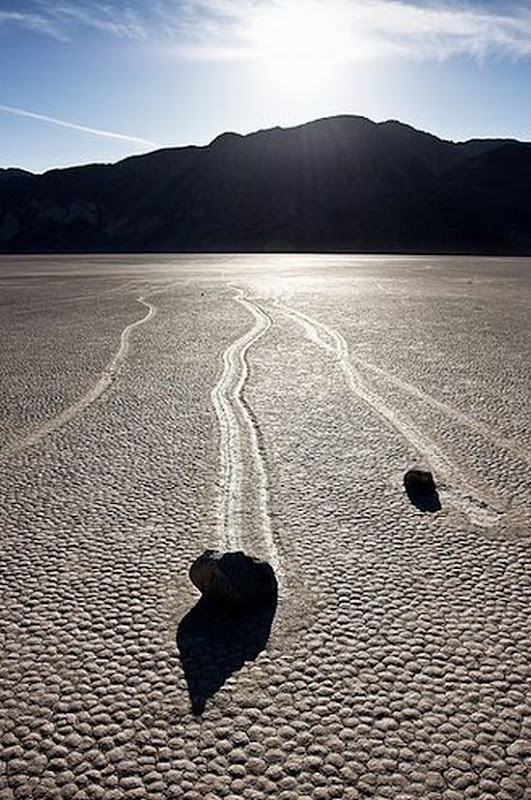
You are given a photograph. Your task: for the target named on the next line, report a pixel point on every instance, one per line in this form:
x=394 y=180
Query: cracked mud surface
x=398 y=664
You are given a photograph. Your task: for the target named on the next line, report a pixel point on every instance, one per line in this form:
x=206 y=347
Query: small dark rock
x=419 y=480
x=233 y=579
x=421 y=489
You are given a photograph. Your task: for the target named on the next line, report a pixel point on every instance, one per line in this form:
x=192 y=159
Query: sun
x=300 y=44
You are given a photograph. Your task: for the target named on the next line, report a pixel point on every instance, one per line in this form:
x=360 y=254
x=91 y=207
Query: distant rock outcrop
x=339 y=184
x=233 y=579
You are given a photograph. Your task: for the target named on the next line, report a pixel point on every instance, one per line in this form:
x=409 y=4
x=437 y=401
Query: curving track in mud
x=243 y=473
x=77 y=408
x=474 y=500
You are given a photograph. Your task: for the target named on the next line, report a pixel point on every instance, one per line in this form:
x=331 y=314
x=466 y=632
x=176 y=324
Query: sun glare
x=300 y=45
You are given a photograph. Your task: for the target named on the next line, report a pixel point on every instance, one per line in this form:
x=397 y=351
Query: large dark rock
x=229 y=625
x=233 y=579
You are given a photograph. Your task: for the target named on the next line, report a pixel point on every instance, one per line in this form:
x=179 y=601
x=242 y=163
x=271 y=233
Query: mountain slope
x=343 y=183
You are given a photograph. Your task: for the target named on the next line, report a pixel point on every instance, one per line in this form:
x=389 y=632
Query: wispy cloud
x=383 y=28
x=62 y=19
x=418 y=29
x=38 y=23
x=118 y=20
x=21 y=112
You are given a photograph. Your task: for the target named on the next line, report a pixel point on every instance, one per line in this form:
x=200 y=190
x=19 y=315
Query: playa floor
x=157 y=406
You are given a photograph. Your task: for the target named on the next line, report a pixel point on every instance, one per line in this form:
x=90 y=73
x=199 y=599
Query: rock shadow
x=215 y=641
x=424 y=499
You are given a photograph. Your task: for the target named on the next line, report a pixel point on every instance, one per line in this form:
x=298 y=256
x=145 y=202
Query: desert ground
x=157 y=406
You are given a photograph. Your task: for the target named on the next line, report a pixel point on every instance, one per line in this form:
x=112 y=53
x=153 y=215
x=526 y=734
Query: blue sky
x=98 y=80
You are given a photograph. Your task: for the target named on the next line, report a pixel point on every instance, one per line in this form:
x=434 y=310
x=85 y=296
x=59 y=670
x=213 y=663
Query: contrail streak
x=20 y=112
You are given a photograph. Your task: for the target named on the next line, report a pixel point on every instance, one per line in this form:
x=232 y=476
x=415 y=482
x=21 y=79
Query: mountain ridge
x=342 y=183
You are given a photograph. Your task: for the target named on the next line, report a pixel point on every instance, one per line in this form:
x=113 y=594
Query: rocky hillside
x=343 y=183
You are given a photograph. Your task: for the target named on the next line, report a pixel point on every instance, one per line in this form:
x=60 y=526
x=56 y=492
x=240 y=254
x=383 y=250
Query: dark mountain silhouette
x=338 y=184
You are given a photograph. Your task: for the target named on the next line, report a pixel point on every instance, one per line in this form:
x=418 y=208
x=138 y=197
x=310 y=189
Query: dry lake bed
x=156 y=406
